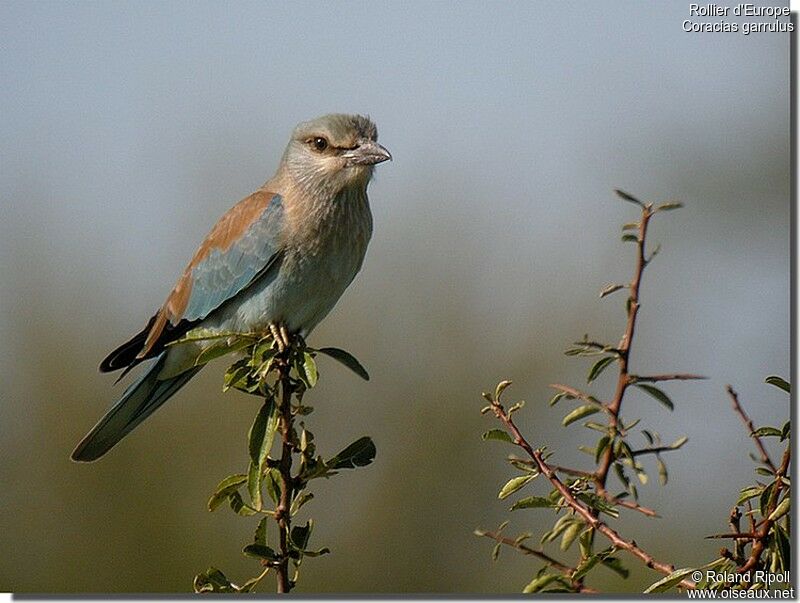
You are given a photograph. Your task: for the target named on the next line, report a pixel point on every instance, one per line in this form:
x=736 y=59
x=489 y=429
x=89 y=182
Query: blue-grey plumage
x=280 y=259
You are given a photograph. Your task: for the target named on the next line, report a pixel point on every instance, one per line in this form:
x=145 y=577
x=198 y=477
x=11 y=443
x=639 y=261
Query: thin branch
x=750 y=428
x=576 y=393
x=585 y=513
x=667 y=377
x=526 y=550
x=737 y=535
x=282 y=513
x=632 y=506
x=624 y=348
x=750 y=516
x=760 y=541
x=572 y=472
x=607 y=495
x=734 y=521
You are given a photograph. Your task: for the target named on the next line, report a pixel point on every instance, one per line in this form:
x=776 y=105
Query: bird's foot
x=281 y=336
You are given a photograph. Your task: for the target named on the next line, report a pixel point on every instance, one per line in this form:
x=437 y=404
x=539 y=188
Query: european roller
x=277 y=262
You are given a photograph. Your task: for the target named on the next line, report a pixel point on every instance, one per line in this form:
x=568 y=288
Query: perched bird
x=277 y=262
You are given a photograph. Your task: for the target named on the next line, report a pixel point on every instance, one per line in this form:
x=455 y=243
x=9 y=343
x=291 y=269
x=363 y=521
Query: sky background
x=128 y=128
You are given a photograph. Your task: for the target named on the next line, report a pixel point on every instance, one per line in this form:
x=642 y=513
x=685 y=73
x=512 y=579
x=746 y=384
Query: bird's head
x=333 y=152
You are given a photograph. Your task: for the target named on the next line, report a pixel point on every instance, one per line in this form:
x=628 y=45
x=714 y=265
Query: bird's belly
x=300 y=295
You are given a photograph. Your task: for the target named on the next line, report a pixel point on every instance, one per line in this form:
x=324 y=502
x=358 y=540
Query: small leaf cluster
x=621 y=443
x=268 y=488
x=765 y=507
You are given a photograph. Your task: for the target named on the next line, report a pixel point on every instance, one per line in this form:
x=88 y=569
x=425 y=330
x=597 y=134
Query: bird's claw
x=281 y=337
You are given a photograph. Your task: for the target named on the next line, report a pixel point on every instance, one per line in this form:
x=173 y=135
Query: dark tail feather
x=125 y=355
x=140 y=400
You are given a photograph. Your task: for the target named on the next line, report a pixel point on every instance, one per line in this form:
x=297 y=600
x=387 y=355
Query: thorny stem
x=762 y=536
x=748 y=423
x=735 y=523
x=554 y=563
x=282 y=514
x=586 y=514
x=759 y=535
x=669 y=377
x=608 y=496
x=624 y=347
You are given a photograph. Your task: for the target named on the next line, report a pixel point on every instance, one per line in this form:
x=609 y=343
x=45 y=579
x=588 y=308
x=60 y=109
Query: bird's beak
x=367 y=153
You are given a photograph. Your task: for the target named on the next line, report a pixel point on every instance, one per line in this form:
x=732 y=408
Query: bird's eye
x=319 y=143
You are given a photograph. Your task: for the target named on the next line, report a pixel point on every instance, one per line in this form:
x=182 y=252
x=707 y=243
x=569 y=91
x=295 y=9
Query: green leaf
x=628 y=197
x=609 y=289
x=767 y=431
x=599 y=367
x=226 y=487
x=596 y=427
x=260 y=537
x=212 y=581
x=496 y=551
x=516 y=406
x=629 y=238
x=236 y=375
x=631 y=226
x=558 y=528
x=221 y=348
x=501 y=387
x=579 y=413
x=301 y=534
x=262 y=432
x=587 y=564
x=238 y=505
x=513 y=485
x=598 y=503
x=570 y=534
x=679 y=575
x=272 y=481
x=538 y=583
x=748 y=493
x=669 y=206
x=585 y=543
x=783 y=546
x=781 y=510
x=657 y=394
x=673 y=579
x=763 y=501
x=309 y=369
x=497 y=434
x=679 y=442
x=260 y=551
x=554 y=400
x=260 y=438
x=615 y=565
x=346 y=359
x=663 y=476
x=300 y=500
x=602 y=444
x=254 y=485
x=358 y=454
x=786 y=430
x=779 y=382
x=533 y=502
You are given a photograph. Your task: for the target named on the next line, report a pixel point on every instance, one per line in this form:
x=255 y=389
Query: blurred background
x=128 y=128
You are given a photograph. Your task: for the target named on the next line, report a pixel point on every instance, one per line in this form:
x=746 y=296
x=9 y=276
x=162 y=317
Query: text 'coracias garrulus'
x=278 y=262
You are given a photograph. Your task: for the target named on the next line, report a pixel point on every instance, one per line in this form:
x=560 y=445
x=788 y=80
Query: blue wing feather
x=221 y=275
